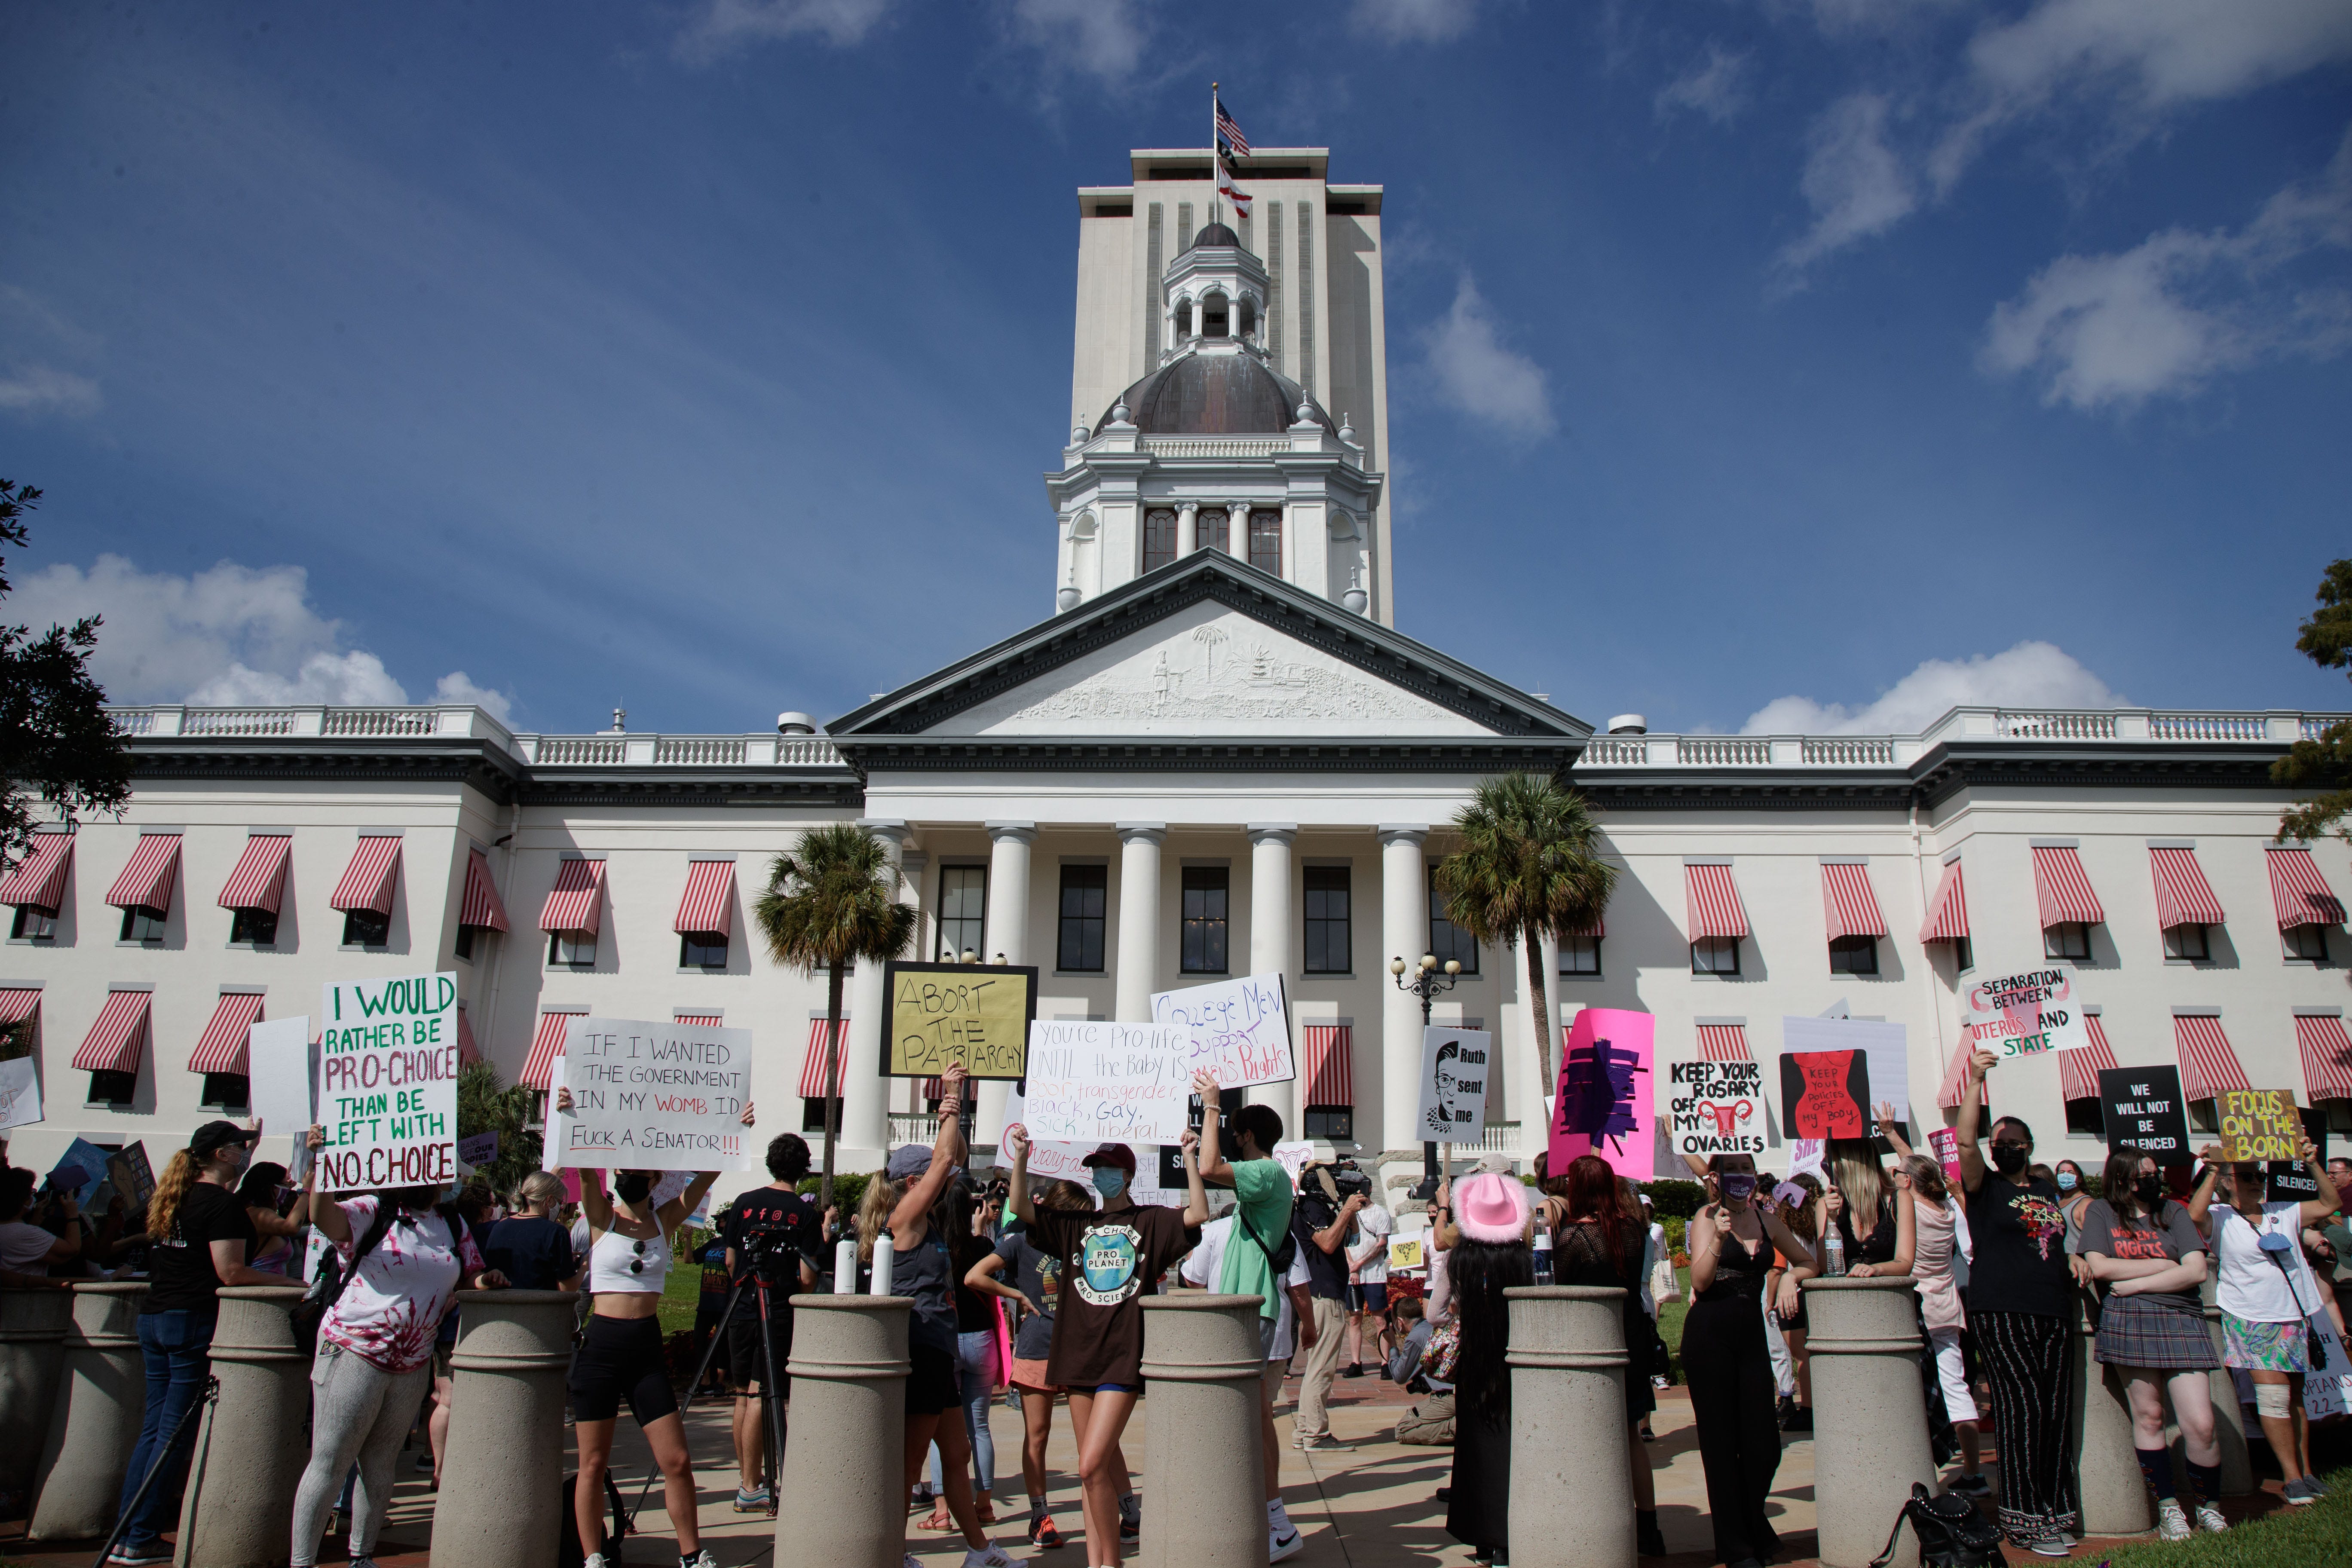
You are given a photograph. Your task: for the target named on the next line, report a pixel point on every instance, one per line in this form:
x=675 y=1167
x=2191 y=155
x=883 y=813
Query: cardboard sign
x=941 y=1014
x=79 y=1169
x=1825 y=1094
x=284 y=1064
x=132 y=1174
x=2259 y=1124
x=1292 y=1154
x=1885 y=1048
x=388 y=1083
x=1604 y=1101
x=1456 y=1065
x=479 y=1150
x=1945 y=1145
x=1716 y=1107
x=2024 y=1014
x=2144 y=1112
x=1404 y=1252
x=1805 y=1155
x=1240 y=1029
x=653 y=1097
x=2291 y=1179
x=1095 y=1082
x=20 y=1093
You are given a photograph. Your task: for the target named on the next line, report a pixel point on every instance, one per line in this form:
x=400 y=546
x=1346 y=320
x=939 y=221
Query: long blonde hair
x=172 y=1187
x=882 y=1195
x=1855 y=1170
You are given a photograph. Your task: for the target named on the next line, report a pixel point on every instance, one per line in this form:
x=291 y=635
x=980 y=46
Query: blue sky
x=1797 y=365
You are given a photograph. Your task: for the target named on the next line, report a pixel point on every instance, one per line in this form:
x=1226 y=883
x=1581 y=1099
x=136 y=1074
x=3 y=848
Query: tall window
x=1580 y=956
x=1206 y=892
x=2067 y=939
x=1085 y=891
x=1716 y=955
x=1158 y=537
x=963 y=912
x=1266 y=541
x=1854 y=955
x=1446 y=940
x=1212 y=524
x=1328 y=947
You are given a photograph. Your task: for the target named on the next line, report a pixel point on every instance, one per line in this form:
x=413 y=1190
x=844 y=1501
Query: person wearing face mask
x=1728 y=1366
x=201 y=1239
x=2021 y=1309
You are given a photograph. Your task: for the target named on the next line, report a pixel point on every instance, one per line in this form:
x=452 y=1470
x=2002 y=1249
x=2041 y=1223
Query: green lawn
x=2283 y=1538
x=682 y=1291
x=1670 y=1320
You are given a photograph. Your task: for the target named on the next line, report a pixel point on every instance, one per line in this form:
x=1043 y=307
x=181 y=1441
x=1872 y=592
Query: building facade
x=1215 y=756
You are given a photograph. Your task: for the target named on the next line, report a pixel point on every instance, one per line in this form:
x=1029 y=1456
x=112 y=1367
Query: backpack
x=333 y=1278
x=568 y=1553
x=1442 y=1358
x=1952 y=1533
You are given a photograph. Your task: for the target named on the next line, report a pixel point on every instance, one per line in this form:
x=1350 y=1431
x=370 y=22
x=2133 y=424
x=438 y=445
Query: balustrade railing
x=2081 y=726
x=1722 y=750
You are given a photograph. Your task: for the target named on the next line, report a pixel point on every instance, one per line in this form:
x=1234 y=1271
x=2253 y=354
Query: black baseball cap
x=214 y=1136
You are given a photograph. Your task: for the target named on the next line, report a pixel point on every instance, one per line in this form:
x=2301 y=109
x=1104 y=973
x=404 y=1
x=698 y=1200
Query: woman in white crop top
x=620 y=1354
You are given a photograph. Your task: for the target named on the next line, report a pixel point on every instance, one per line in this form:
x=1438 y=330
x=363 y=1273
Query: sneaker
x=2171 y=1523
x=1318 y=1440
x=1130 y=1530
x=1355 y=1369
x=754 y=1500
x=2302 y=1491
x=1044 y=1532
x=1658 y=1380
x=2049 y=1546
x=596 y=1560
x=911 y=1562
x=2208 y=1518
x=989 y=1556
x=1279 y=1547
x=702 y=1559
x=425 y=1459
x=147 y=1556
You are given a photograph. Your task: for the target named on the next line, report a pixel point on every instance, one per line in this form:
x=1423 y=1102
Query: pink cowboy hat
x=1491 y=1207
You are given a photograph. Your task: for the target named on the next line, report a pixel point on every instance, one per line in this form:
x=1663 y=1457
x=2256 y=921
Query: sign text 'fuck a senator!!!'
x=943 y=1014
x=1716 y=1107
x=1238 y=1029
x=2024 y=1014
x=2144 y=1112
x=388 y=1082
x=1455 y=1067
x=1099 y=1082
x=653 y=1097
x=1604 y=1104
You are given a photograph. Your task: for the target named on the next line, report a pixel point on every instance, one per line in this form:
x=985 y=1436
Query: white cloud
x=1477 y=373
x=1100 y=38
x=458 y=687
x=32 y=388
x=228 y=636
x=1417 y=21
x=2167 y=315
x=2030 y=675
x=30 y=383
x=1716 y=87
x=1853 y=180
x=721 y=27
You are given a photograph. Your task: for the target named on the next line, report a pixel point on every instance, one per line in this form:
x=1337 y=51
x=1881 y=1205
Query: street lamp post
x=1429 y=981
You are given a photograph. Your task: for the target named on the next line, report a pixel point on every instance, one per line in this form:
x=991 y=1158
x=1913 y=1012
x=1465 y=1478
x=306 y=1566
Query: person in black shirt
x=771 y=1235
x=529 y=1248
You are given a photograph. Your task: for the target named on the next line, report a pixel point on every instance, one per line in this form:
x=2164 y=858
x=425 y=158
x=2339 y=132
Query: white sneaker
x=990 y=1556
x=596 y=1560
x=2171 y=1523
x=703 y=1558
x=1279 y=1547
x=2209 y=1518
x=911 y=1562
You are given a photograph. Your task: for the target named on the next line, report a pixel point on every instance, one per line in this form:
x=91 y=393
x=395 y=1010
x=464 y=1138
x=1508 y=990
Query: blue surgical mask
x=1109 y=1181
x=2065 y=1180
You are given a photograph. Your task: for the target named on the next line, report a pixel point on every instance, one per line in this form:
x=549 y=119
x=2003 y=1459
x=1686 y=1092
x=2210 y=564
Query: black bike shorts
x=620 y=1358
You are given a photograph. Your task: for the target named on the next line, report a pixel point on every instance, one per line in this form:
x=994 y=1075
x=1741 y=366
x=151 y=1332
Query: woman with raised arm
x=1035 y=1284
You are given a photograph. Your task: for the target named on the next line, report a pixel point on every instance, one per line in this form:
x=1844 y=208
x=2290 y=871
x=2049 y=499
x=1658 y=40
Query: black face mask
x=2150 y=1190
x=632 y=1186
x=2009 y=1158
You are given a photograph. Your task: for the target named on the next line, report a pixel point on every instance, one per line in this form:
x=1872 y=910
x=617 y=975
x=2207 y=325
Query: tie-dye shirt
x=390 y=1312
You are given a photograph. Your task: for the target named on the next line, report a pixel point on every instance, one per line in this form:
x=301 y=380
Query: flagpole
x=1213 y=151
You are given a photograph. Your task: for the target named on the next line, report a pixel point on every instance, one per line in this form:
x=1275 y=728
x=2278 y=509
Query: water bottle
x=845 y=1268
x=880 y=1284
x=1835 y=1245
x=1543 y=1255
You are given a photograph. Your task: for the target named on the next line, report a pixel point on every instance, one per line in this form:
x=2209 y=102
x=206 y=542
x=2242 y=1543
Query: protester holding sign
x=1036 y=1286
x=26 y=1250
x=2267 y=1295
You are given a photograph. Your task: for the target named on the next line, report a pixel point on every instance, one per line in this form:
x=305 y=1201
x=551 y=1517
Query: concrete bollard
x=1870 y=1419
x=32 y=1337
x=241 y=1483
x=1571 y=1477
x=502 y=1476
x=94 y=1424
x=2229 y=1416
x=2099 y=1441
x=848 y=1429
x=1203 y=1494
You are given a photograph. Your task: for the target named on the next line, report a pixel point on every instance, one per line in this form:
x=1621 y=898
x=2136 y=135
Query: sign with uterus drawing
x=1716 y=1107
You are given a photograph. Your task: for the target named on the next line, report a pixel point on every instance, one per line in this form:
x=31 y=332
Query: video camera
x=1323 y=1188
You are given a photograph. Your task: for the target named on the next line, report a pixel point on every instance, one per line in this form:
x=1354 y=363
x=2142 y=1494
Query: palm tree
x=1527 y=868
x=832 y=901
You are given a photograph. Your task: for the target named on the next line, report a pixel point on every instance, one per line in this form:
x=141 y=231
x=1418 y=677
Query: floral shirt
x=390 y=1312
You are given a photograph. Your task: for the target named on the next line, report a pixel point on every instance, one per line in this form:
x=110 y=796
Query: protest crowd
x=1036 y=1287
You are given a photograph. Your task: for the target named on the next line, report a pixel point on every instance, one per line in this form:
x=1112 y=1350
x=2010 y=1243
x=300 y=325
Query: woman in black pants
x=1728 y=1366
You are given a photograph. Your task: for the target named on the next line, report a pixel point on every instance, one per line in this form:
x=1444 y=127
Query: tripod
x=771 y=1392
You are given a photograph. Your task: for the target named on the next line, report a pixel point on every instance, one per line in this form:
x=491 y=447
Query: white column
x=1008 y=941
x=1237 y=527
x=865 y=1102
x=1188 y=528
x=1138 y=919
x=1405 y=933
x=1273 y=933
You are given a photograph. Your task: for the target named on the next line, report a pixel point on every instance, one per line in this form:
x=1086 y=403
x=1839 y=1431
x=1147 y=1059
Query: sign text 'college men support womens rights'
x=1238 y=1029
x=653 y=1097
x=1604 y=1103
x=2143 y=1109
x=1455 y=1067
x=1099 y=1082
x=388 y=1082
x=1716 y=1107
x=2024 y=1014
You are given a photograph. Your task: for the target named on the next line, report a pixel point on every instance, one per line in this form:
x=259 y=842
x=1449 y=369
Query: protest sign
x=2293 y=1178
x=1404 y=1252
x=1097 y=1082
x=20 y=1093
x=1805 y=1154
x=2143 y=1110
x=80 y=1168
x=479 y=1150
x=1240 y=1029
x=388 y=1082
x=1604 y=1101
x=1945 y=1145
x=1455 y=1065
x=1825 y=1094
x=1885 y=1050
x=943 y=1014
x=1716 y=1107
x=653 y=1097
x=2024 y=1014
x=132 y=1174
x=283 y=1064
x=1292 y=1154
x=2259 y=1124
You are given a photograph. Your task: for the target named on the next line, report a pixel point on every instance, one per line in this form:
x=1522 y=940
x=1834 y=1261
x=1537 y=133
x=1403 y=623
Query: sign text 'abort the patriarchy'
x=941 y=1014
x=388 y=1082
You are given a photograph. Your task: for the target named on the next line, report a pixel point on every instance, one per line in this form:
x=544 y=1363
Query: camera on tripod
x=770 y=1254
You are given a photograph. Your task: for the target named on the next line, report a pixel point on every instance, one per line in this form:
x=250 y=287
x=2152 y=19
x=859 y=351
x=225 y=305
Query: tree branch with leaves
x=2324 y=765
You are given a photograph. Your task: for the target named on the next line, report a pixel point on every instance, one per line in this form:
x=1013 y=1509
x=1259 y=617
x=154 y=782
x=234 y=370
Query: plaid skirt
x=2151 y=1331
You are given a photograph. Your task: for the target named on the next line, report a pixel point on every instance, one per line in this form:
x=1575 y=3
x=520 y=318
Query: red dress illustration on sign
x=1824 y=1093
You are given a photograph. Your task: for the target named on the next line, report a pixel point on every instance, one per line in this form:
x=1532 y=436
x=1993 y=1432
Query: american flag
x=1235 y=141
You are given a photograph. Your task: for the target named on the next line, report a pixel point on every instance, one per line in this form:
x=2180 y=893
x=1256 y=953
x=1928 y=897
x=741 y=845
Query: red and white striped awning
x=577 y=903
x=368 y=880
x=1327 y=1073
x=115 y=1041
x=702 y=1020
x=2062 y=889
x=1714 y=901
x=2078 y=1071
x=708 y=903
x=934 y=1089
x=2208 y=1065
x=539 y=1068
x=1847 y=898
x=1724 y=1043
x=223 y=1048
x=39 y=879
x=482 y=907
x=2327 y=1055
x=19 y=1003
x=2183 y=897
x=260 y=880
x=468 y=1052
x=2297 y=890
x=146 y=882
x=1955 y=1078
x=1947 y=915
x=1599 y=927
x=813 y=1065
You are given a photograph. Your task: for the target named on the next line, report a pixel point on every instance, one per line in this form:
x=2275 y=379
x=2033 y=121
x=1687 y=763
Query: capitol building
x=1213 y=755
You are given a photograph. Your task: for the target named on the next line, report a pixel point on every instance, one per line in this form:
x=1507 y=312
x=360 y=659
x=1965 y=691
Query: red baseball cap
x=1117 y=1154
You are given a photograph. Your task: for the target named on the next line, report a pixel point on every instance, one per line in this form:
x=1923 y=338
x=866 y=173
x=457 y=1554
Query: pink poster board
x=1945 y=1145
x=1605 y=1105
